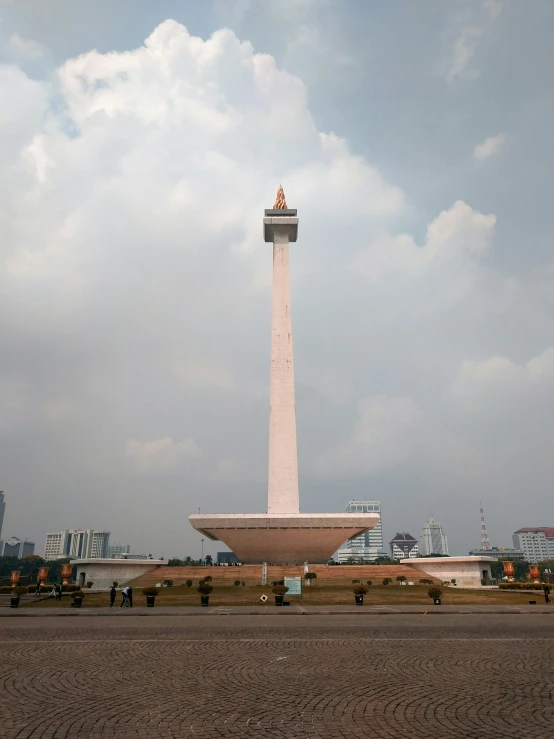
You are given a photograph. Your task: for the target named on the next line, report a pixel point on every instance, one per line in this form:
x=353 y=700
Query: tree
x=386 y=580
x=208 y=559
x=401 y=579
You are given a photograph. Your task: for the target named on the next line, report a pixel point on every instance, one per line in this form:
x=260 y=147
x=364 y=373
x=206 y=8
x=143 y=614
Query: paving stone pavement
x=408 y=675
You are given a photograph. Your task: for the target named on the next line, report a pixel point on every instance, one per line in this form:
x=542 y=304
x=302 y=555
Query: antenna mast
x=485 y=541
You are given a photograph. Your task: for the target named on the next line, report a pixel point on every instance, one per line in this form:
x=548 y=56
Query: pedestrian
x=546 y=593
x=124 y=601
x=130 y=595
x=113 y=593
x=53 y=592
x=59 y=590
x=37 y=589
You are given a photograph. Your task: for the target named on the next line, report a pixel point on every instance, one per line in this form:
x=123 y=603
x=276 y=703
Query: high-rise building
x=76 y=544
x=403 y=546
x=2 y=510
x=537 y=542
x=115 y=550
x=14 y=547
x=366 y=547
x=433 y=539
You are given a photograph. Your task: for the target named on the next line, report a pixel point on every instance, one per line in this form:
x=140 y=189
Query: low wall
x=467 y=571
x=338 y=575
x=103 y=572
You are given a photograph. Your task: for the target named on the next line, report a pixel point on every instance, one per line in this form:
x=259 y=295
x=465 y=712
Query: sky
x=140 y=143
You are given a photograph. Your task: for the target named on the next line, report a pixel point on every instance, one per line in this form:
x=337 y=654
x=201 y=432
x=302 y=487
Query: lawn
x=313 y=595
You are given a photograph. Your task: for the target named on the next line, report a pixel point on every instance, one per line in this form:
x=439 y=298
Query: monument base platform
x=283 y=538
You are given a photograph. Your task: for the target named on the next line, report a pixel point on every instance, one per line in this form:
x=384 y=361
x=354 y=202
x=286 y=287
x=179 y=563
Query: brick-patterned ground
x=429 y=677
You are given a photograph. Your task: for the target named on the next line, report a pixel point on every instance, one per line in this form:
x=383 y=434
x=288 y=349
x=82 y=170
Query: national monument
x=283 y=535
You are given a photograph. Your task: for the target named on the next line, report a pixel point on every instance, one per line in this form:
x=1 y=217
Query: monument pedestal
x=283 y=538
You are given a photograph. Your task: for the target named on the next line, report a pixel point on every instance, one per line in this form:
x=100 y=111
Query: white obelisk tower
x=280 y=228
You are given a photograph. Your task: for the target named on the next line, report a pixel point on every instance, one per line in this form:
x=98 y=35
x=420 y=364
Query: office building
x=115 y=550
x=14 y=547
x=76 y=544
x=433 y=539
x=536 y=542
x=403 y=546
x=368 y=546
x=498 y=553
x=2 y=510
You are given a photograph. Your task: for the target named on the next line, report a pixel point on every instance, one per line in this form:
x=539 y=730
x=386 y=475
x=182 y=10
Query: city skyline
x=133 y=284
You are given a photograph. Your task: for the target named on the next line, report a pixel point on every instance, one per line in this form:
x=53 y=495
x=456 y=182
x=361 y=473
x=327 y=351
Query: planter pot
x=279 y=600
x=437 y=601
x=150 y=601
x=14 y=602
x=77 y=602
x=359 y=600
x=204 y=600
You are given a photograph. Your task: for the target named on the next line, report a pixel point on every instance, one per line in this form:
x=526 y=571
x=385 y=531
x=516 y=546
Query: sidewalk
x=270 y=610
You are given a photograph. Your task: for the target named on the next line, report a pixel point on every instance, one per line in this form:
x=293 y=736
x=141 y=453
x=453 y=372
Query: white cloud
x=489 y=147
x=457 y=236
x=463 y=52
x=22 y=49
x=503 y=375
x=493 y=8
x=162 y=454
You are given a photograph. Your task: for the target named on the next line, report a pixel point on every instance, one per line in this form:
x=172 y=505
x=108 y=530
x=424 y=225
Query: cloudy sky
x=140 y=143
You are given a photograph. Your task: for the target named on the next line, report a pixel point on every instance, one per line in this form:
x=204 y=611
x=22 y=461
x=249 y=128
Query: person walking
x=124 y=601
x=113 y=593
x=130 y=595
x=546 y=593
x=59 y=589
x=37 y=589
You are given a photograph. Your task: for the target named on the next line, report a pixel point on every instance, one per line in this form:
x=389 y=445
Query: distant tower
x=433 y=539
x=485 y=541
x=2 y=509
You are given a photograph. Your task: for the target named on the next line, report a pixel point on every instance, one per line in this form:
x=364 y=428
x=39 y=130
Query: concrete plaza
x=340 y=675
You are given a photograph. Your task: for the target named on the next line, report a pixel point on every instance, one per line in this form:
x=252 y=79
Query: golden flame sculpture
x=534 y=573
x=280 y=202
x=509 y=569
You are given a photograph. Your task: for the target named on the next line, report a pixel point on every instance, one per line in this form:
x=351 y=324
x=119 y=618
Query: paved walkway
x=454 y=677
x=271 y=610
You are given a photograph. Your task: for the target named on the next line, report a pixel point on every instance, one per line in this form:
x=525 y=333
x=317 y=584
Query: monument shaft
x=282 y=495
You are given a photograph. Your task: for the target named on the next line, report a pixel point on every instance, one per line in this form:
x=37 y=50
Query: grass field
x=313 y=595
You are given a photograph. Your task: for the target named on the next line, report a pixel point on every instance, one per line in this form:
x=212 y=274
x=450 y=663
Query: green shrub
x=434 y=592
x=188 y=583
x=243 y=583
x=386 y=580
x=355 y=581
x=168 y=583
x=150 y=590
x=425 y=581
x=208 y=578
x=360 y=589
x=277 y=582
x=20 y=590
x=369 y=582
x=310 y=576
x=205 y=588
x=77 y=594
x=115 y=584
x=90 y=584
x=401 y=578
x=6 y=588
x=69 y=588
x=236 y=583
x=279 y=589
x=520 y=586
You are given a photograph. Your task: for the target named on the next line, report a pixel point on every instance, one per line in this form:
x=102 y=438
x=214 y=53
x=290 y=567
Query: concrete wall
x=467 y=571
x=103 y=572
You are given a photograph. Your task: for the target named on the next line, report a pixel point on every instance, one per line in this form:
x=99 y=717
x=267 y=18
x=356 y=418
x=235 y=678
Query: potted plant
x=279 y=592
x=150 y=592
x=401 y=579
x=386 y=580
x=77 y=596
x=370 y=582
x=90 y=584
x=435 y=593
x=188 y=583
x=16 y=595
x=309 y=576
x=359 y=592
x=237 y=583
x=208 y=578
x=204 y=588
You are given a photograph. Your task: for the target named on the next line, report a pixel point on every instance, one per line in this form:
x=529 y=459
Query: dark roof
x=403 y=537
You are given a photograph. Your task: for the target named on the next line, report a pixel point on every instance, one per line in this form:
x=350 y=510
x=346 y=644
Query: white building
x=537 y=543
x=403 y=545
x=369 y=546
x=76 y=544
x=433 y=539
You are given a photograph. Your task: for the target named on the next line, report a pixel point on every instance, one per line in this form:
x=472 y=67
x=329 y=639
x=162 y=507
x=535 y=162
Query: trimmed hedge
x=520 y=586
